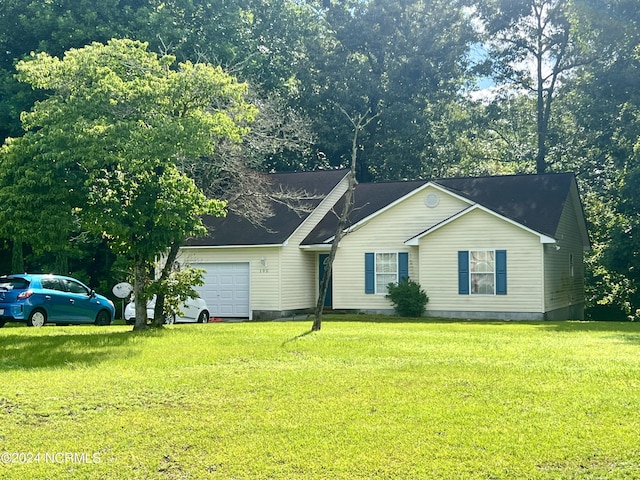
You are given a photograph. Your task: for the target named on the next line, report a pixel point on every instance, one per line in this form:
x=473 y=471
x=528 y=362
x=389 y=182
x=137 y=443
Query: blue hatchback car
x=38 y=299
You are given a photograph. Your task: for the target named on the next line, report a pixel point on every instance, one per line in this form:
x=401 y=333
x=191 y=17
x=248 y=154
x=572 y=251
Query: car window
x=51 y=284
x=14 y=283
x=75 y=287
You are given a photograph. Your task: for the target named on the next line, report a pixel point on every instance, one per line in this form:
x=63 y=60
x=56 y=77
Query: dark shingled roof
x=234 y=230
x=368 y=199
x=535 y=201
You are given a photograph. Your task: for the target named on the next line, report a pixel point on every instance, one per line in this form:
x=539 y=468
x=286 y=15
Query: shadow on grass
x=60 y=347
x=297 y=337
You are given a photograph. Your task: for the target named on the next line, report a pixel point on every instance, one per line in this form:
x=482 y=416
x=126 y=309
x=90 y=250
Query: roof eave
x=324 y=199
x=219 y=247
x=415 y=241
x=318 y=247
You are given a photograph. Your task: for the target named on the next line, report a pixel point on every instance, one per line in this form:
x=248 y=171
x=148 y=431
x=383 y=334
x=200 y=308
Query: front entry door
x=328 y=299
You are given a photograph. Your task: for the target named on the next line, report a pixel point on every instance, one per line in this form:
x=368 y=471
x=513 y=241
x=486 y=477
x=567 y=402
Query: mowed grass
x=358 y=400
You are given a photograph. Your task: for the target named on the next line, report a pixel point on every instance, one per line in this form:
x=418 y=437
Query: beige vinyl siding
x=298 y=281
x=282 y=277
x=386 y=232
x=479 y=230
x=562 y=288
x=299 y=278
x=264 y=276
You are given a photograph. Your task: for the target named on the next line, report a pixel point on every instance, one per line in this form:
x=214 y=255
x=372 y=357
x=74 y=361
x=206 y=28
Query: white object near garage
x=225 y=289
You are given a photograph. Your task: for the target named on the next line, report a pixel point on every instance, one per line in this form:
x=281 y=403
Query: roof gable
x=532 y=201
x=370 y=199
x=234 y=230
x=415 y=240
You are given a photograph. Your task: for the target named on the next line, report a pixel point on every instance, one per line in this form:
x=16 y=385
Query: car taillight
x=25 y=294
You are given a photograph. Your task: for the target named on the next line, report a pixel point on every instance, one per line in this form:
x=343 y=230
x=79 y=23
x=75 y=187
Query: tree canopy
x=108 y=140
x=458 y=87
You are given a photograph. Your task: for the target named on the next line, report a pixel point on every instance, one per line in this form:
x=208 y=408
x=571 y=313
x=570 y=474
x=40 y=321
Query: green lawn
x=358 y=400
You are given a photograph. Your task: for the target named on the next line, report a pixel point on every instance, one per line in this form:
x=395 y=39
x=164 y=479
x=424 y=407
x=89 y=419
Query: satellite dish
x=122 y=290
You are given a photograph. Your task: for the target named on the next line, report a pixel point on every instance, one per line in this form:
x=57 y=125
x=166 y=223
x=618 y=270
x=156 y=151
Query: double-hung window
x=384 y=268
x=482 y=272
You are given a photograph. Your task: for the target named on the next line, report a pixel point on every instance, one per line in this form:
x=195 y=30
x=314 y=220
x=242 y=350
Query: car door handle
x=71 y=300
x=47 y=297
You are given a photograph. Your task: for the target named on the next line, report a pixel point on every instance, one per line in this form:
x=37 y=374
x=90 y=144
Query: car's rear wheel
x=103 y=318
x=203 y=317
x=1 y=323
x=37 y=318
x=170 y=319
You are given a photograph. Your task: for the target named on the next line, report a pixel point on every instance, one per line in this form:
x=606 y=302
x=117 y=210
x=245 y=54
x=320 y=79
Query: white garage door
x=225 y=289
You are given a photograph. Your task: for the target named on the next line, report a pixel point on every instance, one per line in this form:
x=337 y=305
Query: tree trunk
x=348 y=204
x=541 y=163
x=541 y=166
x=139 y=275
x=363 y=121
x=62 y=263
x=158 y=312
x=17 y=257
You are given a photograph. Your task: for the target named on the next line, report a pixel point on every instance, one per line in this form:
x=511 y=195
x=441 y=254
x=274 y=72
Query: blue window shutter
x=403 y=266
x=369 y=273
x=463 y=272
x=501 y=272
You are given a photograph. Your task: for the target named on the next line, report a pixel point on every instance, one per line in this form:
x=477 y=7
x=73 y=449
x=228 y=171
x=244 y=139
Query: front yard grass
x=383 y=399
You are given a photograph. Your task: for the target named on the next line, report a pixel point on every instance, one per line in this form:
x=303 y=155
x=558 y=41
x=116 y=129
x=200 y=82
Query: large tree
x=122 y=118
x=261 y=42
x=605 y=104
x=404 y=61
x=54 y=27
x=257 y=41
x=533 y=47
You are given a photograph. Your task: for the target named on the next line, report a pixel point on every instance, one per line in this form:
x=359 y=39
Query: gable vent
x=431 y=199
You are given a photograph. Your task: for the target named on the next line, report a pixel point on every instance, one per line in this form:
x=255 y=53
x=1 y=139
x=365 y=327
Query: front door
x=328 y=299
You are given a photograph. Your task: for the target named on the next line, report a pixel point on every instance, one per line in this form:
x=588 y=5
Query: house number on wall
x=263 y=265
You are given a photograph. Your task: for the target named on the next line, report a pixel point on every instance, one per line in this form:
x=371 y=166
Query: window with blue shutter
x=380 y=269
x=501 y=272
x=482 y=272
x=403 y=266
x=463 y=272
x=369 y=273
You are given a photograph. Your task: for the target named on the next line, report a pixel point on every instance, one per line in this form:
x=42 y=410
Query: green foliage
x=107 y=143
x=121 y=124
x=408 y=298
x=404 y=61
x=44 y=26
x=605 y=104
x=38 y=190
x=533 y=48
x=260 y=41
x=177 y=287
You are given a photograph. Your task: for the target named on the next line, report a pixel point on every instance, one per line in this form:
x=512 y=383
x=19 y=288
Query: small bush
x=409 y=300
